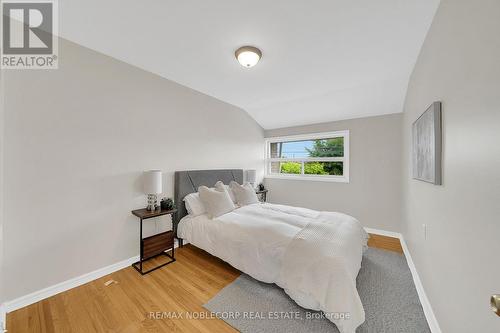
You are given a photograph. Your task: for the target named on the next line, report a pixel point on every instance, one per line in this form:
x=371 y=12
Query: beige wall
x=373 y=194
x=77 y=141
x=458 y=262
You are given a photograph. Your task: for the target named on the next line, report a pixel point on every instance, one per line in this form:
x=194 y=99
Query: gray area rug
x=384 y=283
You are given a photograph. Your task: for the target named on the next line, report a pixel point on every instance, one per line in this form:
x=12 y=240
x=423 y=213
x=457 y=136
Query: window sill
x=343 y=179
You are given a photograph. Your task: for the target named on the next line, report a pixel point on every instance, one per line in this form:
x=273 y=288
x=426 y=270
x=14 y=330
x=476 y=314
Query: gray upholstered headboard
x=186 y=182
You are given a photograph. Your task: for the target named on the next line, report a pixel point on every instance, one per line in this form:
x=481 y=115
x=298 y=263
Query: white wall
x=77 y=141
x=458 y=262
x=373 y=194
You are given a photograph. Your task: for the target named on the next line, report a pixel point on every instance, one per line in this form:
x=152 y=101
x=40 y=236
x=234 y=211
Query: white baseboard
x=426 y=305
x=383 y=232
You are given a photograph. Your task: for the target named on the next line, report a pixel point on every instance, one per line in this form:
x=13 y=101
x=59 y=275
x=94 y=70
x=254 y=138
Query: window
x=320 y=156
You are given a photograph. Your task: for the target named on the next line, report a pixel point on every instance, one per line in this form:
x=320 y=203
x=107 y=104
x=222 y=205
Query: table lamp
x=152 y=187
x=251 y=177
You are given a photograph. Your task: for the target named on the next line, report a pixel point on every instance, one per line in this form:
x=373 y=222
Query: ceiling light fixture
x=248 y=56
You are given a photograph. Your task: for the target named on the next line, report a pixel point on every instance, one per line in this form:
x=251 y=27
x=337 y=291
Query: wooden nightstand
x=262 y=195
x=156 y=245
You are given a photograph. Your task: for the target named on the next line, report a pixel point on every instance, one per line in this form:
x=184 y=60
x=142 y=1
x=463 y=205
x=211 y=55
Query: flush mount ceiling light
x=248 y=56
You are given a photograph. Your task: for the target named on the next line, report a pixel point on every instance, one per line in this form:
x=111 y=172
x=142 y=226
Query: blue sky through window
x=296 y=149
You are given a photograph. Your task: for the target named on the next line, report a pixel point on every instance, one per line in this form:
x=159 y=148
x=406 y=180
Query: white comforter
x=314 y=256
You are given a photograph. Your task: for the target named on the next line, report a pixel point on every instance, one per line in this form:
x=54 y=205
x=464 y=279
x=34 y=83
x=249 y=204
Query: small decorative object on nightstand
x=262 y=195
x=156 y=245
x=167 y=204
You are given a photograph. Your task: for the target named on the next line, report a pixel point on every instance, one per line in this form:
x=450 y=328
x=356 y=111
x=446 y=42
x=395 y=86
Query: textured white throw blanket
x=320 y=267
x=315 y=256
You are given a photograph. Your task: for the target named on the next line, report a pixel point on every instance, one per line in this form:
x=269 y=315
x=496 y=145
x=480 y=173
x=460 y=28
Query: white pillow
x=245 y=194
x=220 y=186
x=194 y=205
x=217 y=202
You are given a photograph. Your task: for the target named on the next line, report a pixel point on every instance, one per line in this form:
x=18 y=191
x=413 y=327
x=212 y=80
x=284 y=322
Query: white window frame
x=313 y=136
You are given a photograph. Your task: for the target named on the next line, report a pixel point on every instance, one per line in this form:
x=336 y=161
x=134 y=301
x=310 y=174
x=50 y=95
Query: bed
x=314 y=256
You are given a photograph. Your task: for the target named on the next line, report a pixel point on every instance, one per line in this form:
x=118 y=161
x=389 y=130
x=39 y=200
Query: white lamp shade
x=152 y=182
x=251 y=176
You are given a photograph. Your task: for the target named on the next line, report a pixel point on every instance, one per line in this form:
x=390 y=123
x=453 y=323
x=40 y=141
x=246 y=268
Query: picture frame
x=427 y=146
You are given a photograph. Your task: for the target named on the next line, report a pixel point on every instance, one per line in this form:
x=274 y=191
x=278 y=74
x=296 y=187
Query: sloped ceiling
x=323 y=60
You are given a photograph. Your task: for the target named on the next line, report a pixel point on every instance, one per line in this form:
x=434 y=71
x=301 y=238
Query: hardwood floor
x=127 y=305
x=386 y=243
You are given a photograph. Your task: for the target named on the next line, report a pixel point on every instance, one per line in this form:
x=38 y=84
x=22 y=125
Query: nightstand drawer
x=154 y=245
